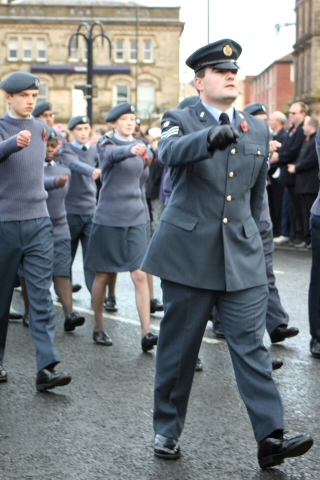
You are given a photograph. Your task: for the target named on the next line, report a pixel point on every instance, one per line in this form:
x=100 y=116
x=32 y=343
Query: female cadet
x=118 y=238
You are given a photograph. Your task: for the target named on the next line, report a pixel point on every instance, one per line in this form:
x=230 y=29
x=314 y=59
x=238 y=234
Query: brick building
x=274 y=86
x=143 y=67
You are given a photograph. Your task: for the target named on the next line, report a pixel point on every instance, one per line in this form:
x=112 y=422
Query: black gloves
x=220 y=137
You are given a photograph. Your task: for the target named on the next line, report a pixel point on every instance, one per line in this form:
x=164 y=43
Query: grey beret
x=119 y=110
x=78 y=120
x=41 y=107
x=255 y=108
x=52 y=134
x=18 y=81
x=188 y=101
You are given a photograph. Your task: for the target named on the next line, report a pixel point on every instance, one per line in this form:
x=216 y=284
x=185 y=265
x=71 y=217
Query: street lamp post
x=89 y=37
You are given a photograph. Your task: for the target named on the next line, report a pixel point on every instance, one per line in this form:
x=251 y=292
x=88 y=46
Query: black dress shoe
x=155 y=305
x=167 y=448
x=14 y=315
x=110 y=304
x=48 y=379
x=315 y=348
x=273 y=451
x=281 y=333
x=101 y=338
x=73 y=320
x=276 y=364
x=25 y=321
x=148 y=342
x=198 y=367
x=3 y=374
x=76 y=287
x=218 y=332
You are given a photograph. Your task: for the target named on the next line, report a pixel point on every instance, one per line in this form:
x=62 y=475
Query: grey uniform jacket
x=208 y=236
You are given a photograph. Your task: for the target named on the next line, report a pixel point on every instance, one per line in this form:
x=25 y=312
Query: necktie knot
x=84 y=148
x=224 y=119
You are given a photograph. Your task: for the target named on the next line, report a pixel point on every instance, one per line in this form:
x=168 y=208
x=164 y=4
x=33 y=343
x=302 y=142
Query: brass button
x=225 y=220
x=233 y=151
x=229 y=198
x=231 y=174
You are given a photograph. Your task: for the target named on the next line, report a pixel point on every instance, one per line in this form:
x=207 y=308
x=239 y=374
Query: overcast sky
x=250 y=22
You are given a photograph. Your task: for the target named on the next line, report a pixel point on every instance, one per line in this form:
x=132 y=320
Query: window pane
x=119 y=50
x=43 y=92
x=27 y=48
x=41 y=49
x=145 y=100
x=133 y=49
x=121 y=93
x=13 y=49
x=74 y=50
x=147 y=51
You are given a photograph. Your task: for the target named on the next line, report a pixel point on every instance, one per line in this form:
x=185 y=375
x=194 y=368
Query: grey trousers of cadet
x=30 y=243
x=242 y=314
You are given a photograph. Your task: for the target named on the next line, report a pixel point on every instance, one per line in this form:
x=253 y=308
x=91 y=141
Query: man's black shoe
x=73 y=320
x=315 y=348
x=281 y=333
x=3 y=374
x=110 y=304
x=218 y=332
x=149 y=341
x=166 y=448
x=155 y=305
x=76 y=287
x=14 y=315
x=276 y=364
x=101 y=338
x=25 y=320
x=198 y=367
x=48 y=379
x=273 y=451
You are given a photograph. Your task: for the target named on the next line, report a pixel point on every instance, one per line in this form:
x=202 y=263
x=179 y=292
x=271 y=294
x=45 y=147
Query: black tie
x=224 y=119
x=84 y=148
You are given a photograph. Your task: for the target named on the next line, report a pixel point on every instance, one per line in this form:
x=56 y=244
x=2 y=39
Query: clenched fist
x=24 y=138
x=222 y=136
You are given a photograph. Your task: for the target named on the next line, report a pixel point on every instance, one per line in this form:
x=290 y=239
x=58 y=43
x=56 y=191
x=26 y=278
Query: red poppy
x=244 y=126
x=44 y=135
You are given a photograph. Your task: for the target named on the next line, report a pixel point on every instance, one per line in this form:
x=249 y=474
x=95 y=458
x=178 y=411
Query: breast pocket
x=253 y=157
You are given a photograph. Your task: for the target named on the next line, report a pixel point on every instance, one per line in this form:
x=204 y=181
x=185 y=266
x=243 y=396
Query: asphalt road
x=100 y=426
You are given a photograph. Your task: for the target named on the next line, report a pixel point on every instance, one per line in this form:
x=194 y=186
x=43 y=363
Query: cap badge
x=84 y=119
x=37 y=82
x=132 y=108
x=227 y=50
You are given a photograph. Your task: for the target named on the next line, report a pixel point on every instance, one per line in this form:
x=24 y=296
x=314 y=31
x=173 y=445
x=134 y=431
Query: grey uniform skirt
x=116 y=249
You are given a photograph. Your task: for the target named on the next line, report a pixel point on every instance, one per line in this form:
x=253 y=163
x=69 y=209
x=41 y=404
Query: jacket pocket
x=179 y=218
x=253 y=156
x=250 y=228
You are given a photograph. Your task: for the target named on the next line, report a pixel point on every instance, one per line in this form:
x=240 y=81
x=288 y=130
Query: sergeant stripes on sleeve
x=171 y=131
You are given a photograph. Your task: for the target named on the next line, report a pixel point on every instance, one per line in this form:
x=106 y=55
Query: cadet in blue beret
x=18 y=81
x=78 y=120
x=43 y=110
x=119 y=110
x=26 y=235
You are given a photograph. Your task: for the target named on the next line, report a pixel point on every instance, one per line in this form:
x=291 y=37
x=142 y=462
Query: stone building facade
x=307 y=54
x=143 y=67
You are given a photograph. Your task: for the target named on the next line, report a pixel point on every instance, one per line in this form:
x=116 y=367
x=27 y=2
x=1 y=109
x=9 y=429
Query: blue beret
x=188 y=101
x=52 y=134
x=78 y=120
x=255 y=108
x=18 y=81
x=222 y=54
x=119 y=110
x=41 y=107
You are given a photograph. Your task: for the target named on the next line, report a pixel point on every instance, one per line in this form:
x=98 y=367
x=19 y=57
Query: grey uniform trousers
x=30 y=243
x=242 y=314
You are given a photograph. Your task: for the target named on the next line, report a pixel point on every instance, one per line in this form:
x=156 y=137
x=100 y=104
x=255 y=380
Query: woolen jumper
x=81 y=196
x=22 y=192
x=120 y=203
x=55 y=200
